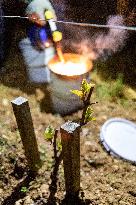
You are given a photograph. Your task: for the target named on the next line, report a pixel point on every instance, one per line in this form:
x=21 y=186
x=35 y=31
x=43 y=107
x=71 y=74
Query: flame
x=74 y=65
x=59 y=53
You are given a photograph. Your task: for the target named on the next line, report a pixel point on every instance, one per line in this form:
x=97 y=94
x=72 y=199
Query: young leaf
x=85 y=87
x=24 y=189
x=79 y=93
x=59 y=145
x=89 y=115
x=49 y=133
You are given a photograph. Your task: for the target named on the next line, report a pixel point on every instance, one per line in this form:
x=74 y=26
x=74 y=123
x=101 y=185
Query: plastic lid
x=119 y=138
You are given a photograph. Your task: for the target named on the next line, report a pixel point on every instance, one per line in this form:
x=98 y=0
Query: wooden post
x=25 y=125
x=70 y=138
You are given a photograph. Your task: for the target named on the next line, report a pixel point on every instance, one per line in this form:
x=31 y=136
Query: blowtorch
x=43 y=36
x=56 y=35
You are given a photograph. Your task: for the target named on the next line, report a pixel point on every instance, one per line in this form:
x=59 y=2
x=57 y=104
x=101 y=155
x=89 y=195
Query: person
x=38 y=48
x=38 y=7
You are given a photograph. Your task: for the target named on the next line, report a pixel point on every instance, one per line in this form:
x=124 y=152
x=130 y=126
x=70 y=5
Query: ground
x=105 y=179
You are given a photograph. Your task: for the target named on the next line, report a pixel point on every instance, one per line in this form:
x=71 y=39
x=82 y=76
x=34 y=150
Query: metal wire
x=99 y=25
x=21 y=17
x=81 y=24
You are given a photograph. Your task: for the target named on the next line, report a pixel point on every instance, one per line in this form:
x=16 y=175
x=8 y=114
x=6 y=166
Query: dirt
x=105 y=179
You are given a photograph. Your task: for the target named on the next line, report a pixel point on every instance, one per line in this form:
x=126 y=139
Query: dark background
x=92 y=11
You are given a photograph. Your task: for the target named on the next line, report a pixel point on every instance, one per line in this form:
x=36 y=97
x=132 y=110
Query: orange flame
x=59 y=53
x=73 y=65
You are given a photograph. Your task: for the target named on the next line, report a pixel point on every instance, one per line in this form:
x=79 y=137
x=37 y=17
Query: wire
x=99 y=25
x=21 y=17
x=81 y=24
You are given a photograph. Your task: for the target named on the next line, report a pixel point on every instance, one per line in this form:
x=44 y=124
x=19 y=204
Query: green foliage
x=102 y=91
x=85 y=87
x=79 y=93
x=117 y=89
x=24 y=189
x=49 y=133
x=84 y=90
x=89 y=115
x=59 y=145
x=85 y=93
x=111 y=91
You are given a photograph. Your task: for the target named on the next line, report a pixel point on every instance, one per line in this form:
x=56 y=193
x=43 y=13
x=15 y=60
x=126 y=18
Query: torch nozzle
x=60 y=53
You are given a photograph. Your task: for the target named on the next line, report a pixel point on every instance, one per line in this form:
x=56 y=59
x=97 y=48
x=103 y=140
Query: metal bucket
x=62 y=100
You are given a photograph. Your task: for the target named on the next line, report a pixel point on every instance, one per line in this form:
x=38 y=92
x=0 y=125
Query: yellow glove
x=49 y=15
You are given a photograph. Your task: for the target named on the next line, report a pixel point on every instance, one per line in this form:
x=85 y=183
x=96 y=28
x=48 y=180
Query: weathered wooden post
x=70 y=138
x=25 y=125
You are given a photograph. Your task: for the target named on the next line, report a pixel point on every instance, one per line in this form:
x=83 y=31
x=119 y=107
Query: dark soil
x=104 y=178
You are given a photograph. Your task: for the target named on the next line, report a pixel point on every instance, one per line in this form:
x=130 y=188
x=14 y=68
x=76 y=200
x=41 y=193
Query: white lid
x=119 y=138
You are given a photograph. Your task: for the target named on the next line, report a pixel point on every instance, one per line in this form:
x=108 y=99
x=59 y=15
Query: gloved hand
x=35 y=18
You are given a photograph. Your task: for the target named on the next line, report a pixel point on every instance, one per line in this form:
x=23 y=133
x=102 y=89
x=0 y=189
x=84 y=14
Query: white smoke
x=102 y=45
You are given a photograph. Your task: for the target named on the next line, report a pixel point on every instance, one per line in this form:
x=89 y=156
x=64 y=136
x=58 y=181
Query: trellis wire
x=131 y=28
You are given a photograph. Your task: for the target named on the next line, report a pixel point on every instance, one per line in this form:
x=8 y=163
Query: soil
x=105 y=179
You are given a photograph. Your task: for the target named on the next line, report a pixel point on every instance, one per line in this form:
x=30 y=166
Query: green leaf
x=93 y=119
x=59 y=145
x=24 y=189
x=85 y=87
x=79 y=93
x=49 y=133
x=89 y=115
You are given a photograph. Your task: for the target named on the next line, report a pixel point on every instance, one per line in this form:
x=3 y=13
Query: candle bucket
x=63 y=101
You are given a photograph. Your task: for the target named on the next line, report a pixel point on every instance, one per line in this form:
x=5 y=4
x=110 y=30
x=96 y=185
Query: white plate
x=119 y=138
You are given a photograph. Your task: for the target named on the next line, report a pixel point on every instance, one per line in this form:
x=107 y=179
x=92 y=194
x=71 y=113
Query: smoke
x=103 y=44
